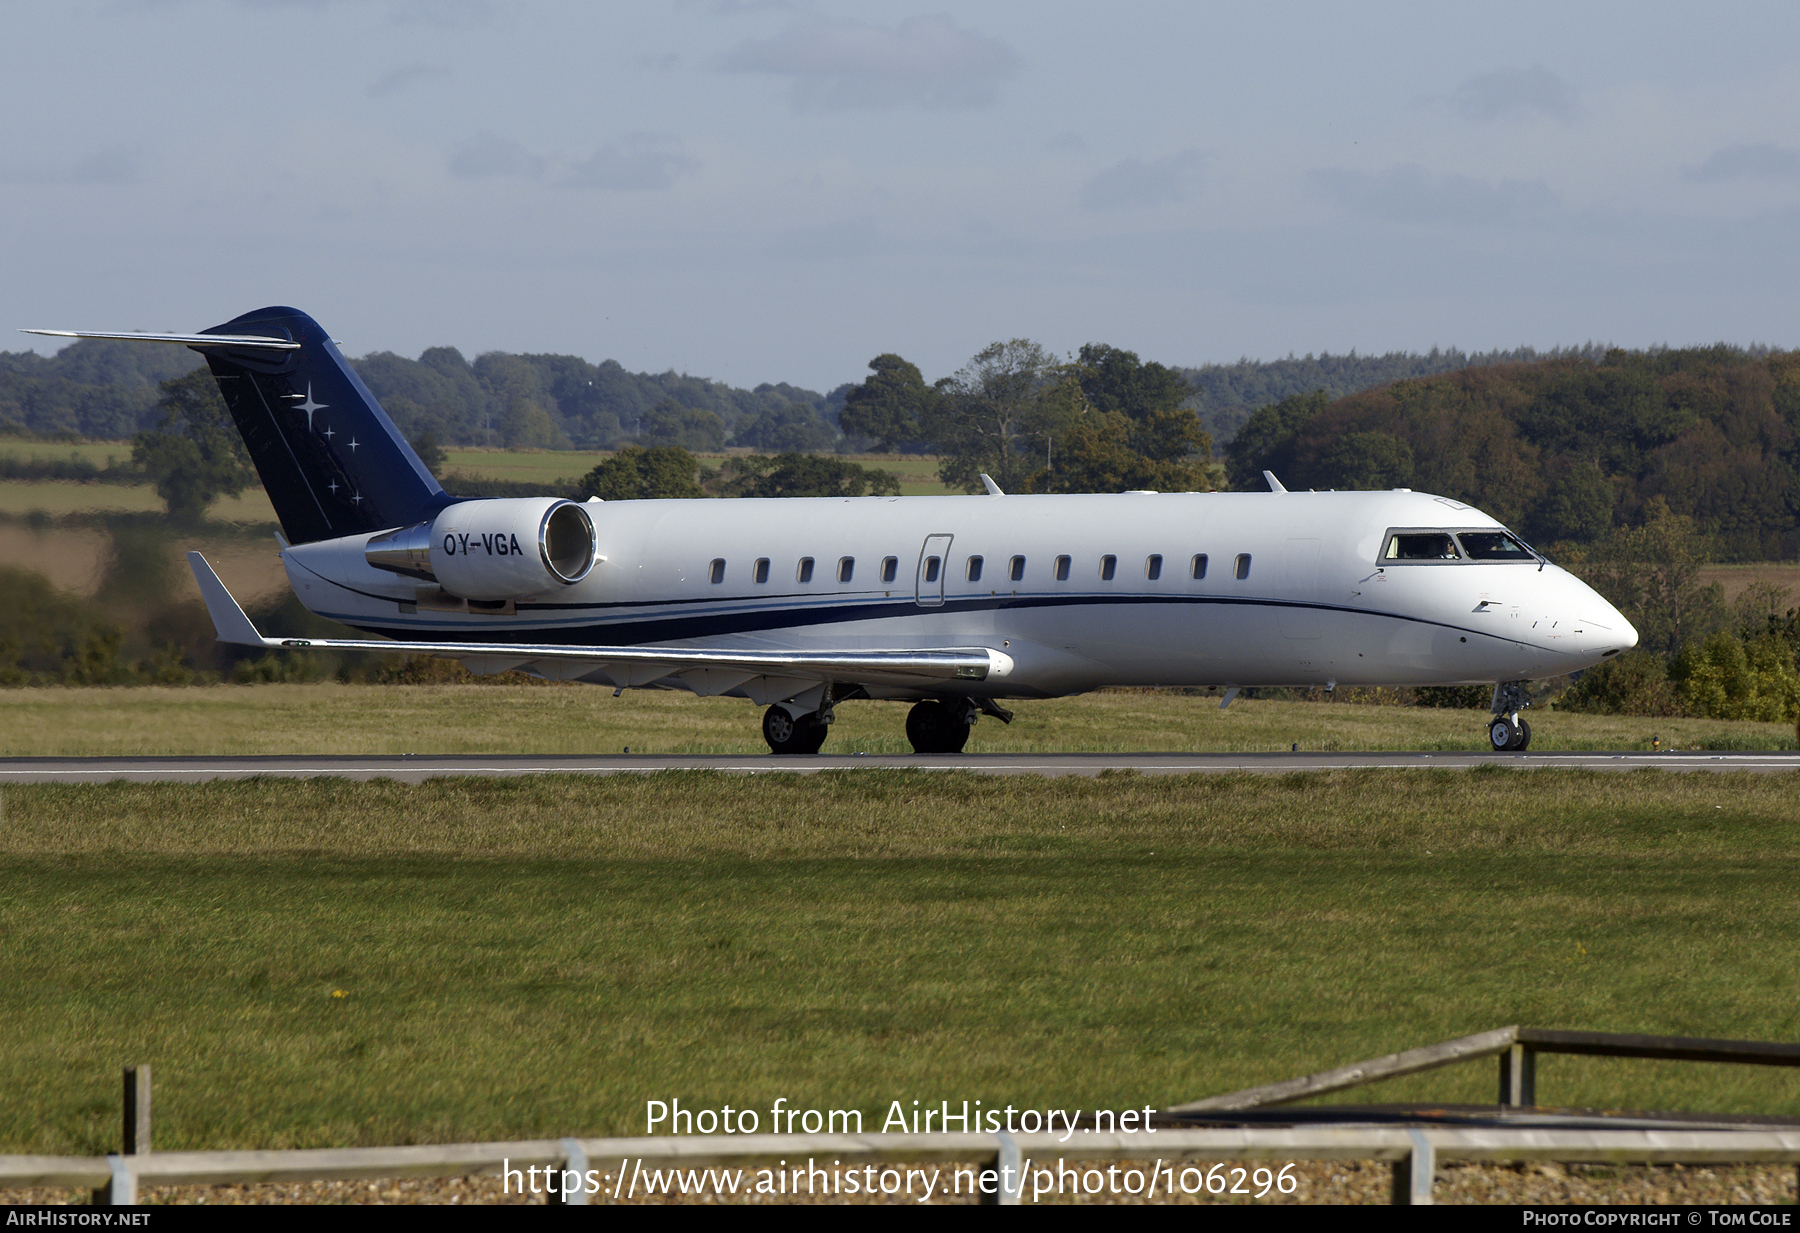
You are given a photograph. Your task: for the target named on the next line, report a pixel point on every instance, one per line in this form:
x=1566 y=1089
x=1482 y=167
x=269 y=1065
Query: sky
x=781 y=191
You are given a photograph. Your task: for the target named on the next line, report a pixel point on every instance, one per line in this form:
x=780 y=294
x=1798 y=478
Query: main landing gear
x=793 y=734
x=939 y=727
x=942 y=726
x=1509 y=732
x=934 y=726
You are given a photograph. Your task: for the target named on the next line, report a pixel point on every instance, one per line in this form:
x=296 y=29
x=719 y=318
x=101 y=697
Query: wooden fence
x=1011 y=1165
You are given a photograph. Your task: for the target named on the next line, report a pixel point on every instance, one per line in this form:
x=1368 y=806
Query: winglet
x=1274 y=484
x=993 y=489
x=229 y=621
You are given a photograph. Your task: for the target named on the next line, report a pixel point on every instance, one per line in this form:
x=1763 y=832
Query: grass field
x=322 y=962
x=99 y=453
x=582 y=719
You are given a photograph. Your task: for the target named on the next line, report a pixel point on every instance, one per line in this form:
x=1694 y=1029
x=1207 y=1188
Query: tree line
x=1565 y=451
x=105 y=389
x=108 y=389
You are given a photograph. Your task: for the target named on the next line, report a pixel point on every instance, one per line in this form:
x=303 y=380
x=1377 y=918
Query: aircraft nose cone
x=1607 y=628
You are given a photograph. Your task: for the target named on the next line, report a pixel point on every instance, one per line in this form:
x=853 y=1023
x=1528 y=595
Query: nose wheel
x=1509 y=734
x=1507 y=731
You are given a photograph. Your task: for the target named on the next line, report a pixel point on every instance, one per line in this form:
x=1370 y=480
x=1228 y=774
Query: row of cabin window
x=890 y=568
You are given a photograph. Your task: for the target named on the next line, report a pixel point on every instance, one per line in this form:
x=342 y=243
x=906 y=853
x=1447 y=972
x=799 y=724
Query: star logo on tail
x=309 y=406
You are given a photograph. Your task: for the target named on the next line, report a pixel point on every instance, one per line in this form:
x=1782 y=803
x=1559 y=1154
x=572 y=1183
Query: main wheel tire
x=934 y=728
x=1502 y=735
x=1524 y=736
x=789 y=734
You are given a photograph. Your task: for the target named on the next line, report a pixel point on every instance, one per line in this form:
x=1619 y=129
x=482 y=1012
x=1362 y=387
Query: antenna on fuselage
x=1274 y=484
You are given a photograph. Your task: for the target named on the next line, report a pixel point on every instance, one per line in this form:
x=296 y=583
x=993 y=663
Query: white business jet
x=953 y=603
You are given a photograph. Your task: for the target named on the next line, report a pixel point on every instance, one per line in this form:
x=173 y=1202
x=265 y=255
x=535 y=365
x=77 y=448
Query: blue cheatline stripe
x=721 y=621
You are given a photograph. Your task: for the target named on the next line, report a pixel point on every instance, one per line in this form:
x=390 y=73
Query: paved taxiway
x=414 y=768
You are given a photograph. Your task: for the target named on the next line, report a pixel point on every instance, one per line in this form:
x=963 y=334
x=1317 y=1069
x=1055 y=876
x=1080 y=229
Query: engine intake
x=498 y=549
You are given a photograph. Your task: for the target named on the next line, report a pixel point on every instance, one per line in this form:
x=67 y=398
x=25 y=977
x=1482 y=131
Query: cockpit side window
x=1421 y=546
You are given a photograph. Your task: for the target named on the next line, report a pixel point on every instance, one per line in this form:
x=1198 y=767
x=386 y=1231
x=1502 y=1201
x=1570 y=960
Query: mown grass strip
x=333 y=963
x=580 y=719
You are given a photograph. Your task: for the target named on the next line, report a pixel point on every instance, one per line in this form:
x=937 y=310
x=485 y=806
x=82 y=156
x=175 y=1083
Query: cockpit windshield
x=1494 y=546
x=1426 y=546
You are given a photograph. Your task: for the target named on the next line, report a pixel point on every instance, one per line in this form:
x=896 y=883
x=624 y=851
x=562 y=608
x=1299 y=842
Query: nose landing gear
x=1509 y=732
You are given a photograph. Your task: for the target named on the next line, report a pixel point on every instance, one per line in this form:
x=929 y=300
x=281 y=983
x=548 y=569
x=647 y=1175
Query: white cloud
x=1135 y=183
x=638 y=162
x=850 y=65
x=1409 y=195
x=486 y=156
x=1762 y=161
x=399 y=78
x=847 y=237
x=115 y=164
x=1516 y=92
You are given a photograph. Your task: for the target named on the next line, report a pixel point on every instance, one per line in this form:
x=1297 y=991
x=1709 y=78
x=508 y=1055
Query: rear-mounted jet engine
x=505 y=548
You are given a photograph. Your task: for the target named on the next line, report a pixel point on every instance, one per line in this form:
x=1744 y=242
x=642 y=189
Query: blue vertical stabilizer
x=330 y=459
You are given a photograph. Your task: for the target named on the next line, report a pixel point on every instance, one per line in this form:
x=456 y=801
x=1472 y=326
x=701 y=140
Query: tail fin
x=330 y=458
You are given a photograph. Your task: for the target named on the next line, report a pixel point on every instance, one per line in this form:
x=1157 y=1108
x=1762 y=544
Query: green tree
x=47 y=636
x=1577 y=505
x=1729 y=678
x=999 y=413
x=1266 y=441
x=430 y=452
x=195 y=453
x=1101 y=452
x=636 y=474
x=1368 y=460
x=1151 y=397
x=804 y=475
x=670 y=423
x=893 y=406
x=790 y=428
x=1651 y=573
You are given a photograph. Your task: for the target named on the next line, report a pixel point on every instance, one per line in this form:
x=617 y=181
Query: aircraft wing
x=704 y=670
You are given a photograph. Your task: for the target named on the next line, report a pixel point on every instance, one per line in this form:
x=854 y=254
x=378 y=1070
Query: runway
x=416 y=768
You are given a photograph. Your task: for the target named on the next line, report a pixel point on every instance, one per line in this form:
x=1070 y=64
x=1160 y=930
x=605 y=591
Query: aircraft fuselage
x=1080 y=592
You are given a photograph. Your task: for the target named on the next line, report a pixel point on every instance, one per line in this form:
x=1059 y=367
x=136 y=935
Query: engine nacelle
x=497 y=549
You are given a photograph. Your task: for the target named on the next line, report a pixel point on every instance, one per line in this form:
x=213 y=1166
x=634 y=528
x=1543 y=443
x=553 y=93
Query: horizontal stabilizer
x=254 y=342
x=641 y=664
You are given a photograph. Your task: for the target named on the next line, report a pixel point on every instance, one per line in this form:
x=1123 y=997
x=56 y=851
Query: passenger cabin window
x=1243 y=566
x=718 y=570
x=974 y=570
x=1493 y=546
x=1062 y=569
x=1197 y=567
x=846 y=568
x=760 y=572
x=932 y=565
x=1421 y=546
x=890 y=568
x=805 y=571
x=1153 y=567
x=1109 y=565
x=1017 y=573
